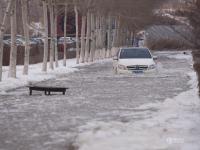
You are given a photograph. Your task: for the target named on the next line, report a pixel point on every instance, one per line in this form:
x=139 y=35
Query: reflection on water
x=196 y=58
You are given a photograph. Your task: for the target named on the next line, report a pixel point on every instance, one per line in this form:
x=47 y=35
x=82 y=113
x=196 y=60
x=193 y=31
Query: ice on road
x=106 y=111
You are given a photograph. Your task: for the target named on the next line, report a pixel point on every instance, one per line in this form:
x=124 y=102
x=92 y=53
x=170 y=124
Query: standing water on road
x=103 y=111
x=171 y=124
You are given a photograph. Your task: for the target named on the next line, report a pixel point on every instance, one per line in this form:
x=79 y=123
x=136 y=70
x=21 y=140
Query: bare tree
x=109 y=35
x=65 y=34
x=45 y=17
x=56 y=35
x=77 y=34
x=97 y=33
x=82 y=53
x=194 y=16
x=13 y=51
x=2 y=8
x=87 y=45
x=93 y=38
x=2 y=31
x=52 y=44
x=24 y=4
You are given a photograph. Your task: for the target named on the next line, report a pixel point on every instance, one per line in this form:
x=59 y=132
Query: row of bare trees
x=10 y=6
x=194 y=17
x=105 y=26
x=187 y=12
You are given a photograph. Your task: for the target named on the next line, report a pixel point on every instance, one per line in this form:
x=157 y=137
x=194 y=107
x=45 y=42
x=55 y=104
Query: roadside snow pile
x=174 y=126
x=36 y=75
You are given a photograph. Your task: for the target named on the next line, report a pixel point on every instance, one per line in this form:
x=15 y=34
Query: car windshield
x=134 y=53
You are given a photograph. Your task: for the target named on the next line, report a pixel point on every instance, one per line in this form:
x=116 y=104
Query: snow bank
x=36 y=75
x=174 y=126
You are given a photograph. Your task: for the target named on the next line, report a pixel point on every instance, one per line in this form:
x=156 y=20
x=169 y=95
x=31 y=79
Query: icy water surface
x=42 y=122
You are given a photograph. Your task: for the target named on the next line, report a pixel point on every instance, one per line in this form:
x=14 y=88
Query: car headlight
x=152 y=66
x=122 y=67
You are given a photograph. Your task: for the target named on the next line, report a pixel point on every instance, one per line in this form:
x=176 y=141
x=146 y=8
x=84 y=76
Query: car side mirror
x=115 y=58
x=155 y=58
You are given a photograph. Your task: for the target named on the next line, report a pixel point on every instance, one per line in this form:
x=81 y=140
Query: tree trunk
x=2 y=31
x=118 y=33
x=13 y=51
x=131 y=38
x=92 y=50
x=121 y=38
x=128 y=38
x=101 y=34
x=82 y=53
x=114 y=42
x=45 y=57
x=109 y=36
x=97 y=51
x=65 y=35
x=77 y=35
x=87 y=45
x=26 y=35
x=103 y=37
x=115 y=38
x=56 y=36
x=52 y=45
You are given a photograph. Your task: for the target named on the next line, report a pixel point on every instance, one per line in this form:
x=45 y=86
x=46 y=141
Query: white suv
x=134 y=60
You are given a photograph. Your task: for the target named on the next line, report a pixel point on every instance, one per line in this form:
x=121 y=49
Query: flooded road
x=42 y=122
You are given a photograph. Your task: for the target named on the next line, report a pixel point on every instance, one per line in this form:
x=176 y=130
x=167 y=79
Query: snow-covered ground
x=36 y=74
x=175 y=126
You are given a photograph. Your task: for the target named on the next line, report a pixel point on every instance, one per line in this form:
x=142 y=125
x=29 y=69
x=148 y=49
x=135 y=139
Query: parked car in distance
x=69 y=40
x=38 y=40
x=71 y=44
x=6 y=42
x=20 y=40
x=134 y=60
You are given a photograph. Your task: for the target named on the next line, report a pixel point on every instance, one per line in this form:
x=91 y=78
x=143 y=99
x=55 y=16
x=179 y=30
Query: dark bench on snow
x=47 y=90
